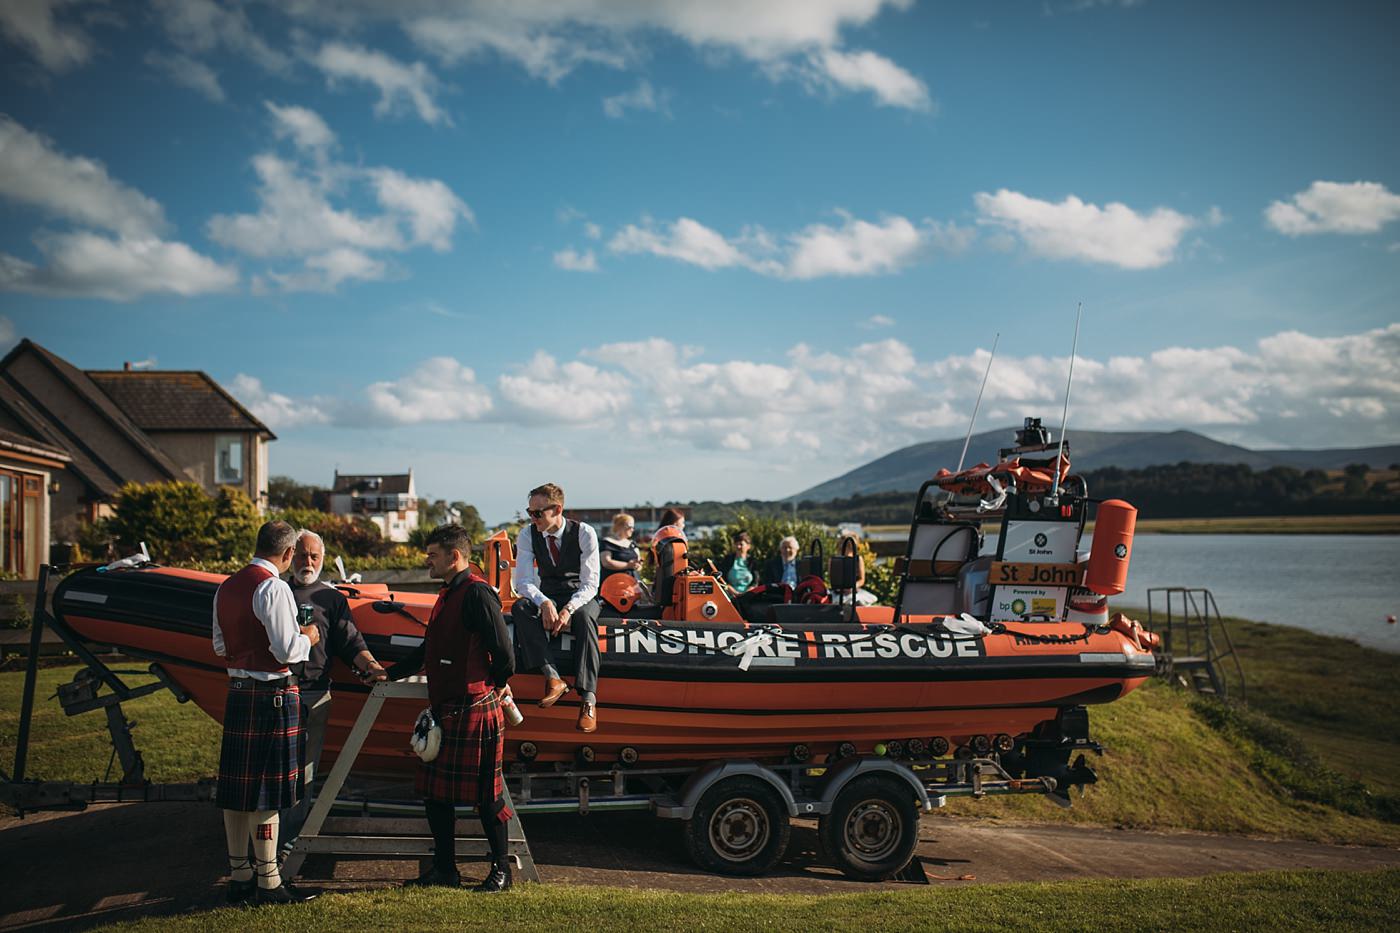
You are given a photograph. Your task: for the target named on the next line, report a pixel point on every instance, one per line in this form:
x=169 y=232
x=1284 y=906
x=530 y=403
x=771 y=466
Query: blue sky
x=672 y=250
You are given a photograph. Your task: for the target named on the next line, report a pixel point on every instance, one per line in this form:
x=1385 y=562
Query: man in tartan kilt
x=468 y=658
x=255 y=631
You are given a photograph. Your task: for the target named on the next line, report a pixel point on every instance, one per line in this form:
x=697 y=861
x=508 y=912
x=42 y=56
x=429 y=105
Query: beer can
x=305 y=614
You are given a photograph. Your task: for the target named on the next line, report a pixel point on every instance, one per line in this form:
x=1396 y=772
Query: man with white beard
x=330 y=613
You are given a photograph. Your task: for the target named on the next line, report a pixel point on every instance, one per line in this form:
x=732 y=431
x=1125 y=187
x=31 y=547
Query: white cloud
x=642 y=97
x=439 y=389
x=1335 y=207
x=399 y=85
x=274 y=409
x=847 y=407
x=573 y=261
x=32 y=24
x=856 y=247
x=867 y=71
x=686 y=240
x=545 y=391
x=201 y=26
x=34 y=173
x=427 y=205
x=1073 y=229
x=800 y=39
x=300 y=215
x=325 y=272
x=304 y=127
x=296 y=218
x=879 y=320
x=188 y=72
x=91 y=265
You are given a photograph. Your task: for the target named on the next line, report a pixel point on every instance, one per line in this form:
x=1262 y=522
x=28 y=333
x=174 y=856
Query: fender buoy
x=1112 y=549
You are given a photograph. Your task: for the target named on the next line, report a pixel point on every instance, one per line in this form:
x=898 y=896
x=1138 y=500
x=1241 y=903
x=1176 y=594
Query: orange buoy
x=1112 y=548
x=621 y=591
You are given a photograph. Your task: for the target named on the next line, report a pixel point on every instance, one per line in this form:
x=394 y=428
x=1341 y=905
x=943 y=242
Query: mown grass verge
x=1267 y=901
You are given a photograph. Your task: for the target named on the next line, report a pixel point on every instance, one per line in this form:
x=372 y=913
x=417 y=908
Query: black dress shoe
x=286 y=894
x=436 y=878
x=241 y=892
x=496 y=882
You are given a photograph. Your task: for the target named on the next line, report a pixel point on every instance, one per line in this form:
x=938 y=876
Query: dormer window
x=228 y=460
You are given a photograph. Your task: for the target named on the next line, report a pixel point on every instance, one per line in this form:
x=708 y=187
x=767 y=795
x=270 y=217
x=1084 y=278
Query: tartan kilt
x=467 y=769
x=263 y=748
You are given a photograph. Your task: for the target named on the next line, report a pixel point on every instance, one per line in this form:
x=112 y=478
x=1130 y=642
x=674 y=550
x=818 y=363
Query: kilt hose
x=467 y=769
x=263 y=747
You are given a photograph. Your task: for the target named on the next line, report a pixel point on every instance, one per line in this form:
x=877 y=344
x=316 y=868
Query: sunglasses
x=540 y=513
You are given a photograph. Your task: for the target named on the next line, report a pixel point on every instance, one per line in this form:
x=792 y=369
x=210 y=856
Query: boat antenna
x=1064 y=420
x=973 y=422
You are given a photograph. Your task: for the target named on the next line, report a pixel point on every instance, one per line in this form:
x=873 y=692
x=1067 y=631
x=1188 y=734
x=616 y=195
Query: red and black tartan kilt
x=467 y=769
x=263 y=748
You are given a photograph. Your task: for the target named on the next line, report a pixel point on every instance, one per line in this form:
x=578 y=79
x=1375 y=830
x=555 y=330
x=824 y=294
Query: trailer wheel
x=740 y=827
x=872 y=828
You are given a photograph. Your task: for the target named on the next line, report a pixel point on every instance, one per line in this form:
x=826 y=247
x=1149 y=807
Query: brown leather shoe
x=554 y=688
x=587 y=718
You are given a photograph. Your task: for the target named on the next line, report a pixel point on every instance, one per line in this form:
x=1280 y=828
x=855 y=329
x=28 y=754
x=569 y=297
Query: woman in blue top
x=738 y=569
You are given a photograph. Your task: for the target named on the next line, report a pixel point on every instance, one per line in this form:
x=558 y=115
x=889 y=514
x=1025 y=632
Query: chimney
x=126 y=367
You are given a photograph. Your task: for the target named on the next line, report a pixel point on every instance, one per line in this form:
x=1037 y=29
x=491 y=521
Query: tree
x=283 y=492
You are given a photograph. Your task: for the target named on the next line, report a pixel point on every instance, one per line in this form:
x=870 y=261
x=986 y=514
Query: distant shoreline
x=1245 y=525
x=1272 y=525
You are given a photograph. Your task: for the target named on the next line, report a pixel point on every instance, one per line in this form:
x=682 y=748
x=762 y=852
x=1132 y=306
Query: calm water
x=1336 y=584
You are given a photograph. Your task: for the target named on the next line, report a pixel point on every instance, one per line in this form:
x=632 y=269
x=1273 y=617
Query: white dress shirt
x=527 y=576
x=276 y=609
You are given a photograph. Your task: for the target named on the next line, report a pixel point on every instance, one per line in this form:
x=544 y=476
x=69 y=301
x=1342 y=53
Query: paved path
x=114 y=862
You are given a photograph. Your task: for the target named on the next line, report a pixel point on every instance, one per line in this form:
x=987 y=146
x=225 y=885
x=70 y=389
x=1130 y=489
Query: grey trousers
x=537 y=649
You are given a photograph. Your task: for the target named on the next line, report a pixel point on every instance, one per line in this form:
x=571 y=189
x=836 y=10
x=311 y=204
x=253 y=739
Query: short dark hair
x=452 y=538
x=274 y=538
x=743 y=536
x=553 y=494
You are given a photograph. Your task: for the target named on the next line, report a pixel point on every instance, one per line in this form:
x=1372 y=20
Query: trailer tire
x=739 y=827
x=872 y=829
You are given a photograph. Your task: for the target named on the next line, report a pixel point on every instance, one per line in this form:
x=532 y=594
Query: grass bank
x=1267 y=902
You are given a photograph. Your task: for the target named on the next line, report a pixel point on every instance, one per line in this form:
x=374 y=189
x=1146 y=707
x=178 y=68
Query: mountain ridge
x=905 y=469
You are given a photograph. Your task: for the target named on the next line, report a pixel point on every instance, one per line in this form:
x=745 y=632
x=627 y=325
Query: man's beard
x=306 y=575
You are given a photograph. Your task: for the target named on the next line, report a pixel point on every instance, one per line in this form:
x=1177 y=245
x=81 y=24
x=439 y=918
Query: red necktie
x=553 y=549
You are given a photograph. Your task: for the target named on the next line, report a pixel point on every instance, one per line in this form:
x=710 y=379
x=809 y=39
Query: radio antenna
x=973 y=422
x=1064 y=421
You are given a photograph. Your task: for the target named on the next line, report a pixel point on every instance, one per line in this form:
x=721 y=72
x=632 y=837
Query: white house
x=387 y=499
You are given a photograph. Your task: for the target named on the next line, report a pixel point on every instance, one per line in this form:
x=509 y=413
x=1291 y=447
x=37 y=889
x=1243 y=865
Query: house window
x=228 y=460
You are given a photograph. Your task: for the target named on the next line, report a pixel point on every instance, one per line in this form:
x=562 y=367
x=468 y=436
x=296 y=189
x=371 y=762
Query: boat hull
x=673 y=691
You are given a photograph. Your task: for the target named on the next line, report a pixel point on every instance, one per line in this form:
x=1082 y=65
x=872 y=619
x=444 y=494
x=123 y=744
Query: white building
x=387 y=499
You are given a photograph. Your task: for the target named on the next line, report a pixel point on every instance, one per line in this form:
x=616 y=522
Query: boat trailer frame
x=387 y=828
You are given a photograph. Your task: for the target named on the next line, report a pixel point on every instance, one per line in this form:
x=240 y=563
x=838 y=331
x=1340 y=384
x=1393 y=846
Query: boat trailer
x=735 y=814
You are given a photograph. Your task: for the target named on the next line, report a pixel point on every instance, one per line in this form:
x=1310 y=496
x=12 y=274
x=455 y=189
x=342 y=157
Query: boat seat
x=938 y=551
x=803 y=613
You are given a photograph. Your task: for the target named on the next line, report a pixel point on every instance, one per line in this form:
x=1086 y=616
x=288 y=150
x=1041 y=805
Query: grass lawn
x=1267 y=902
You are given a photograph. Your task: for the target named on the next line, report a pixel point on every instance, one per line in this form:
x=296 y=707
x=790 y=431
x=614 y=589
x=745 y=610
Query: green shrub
x=349 y=536
x=179 y=523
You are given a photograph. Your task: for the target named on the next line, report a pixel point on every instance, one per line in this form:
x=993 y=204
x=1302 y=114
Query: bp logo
x=1121 y=551
x=1019 y=607
x=1041 y=540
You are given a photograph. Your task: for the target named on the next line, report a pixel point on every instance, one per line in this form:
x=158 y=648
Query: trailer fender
x=847 y=770
x=682 y=806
